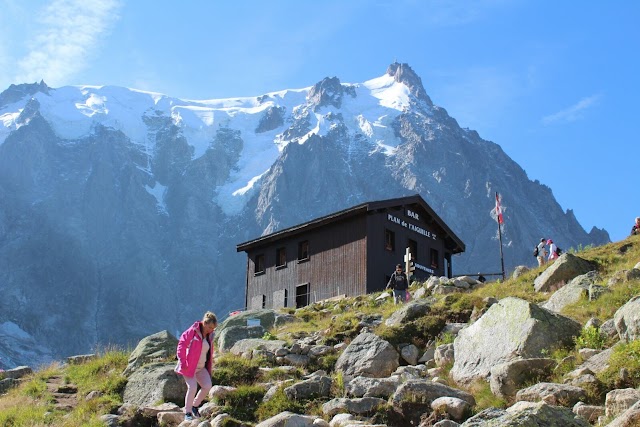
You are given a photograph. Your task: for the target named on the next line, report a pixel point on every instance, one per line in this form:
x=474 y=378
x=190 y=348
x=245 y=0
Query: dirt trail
x=65 y=396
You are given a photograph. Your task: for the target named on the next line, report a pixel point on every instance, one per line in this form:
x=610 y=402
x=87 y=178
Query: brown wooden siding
x=347 y=254
x=336 y=265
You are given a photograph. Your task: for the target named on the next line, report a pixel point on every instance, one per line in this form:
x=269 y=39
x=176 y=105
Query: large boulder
x=408 y=312
x=250 y=344
x=590 y=413
x=561 y=271
x=627 y=320
x=511 y=329
x=233 y=334
x=519 y=271
x=7 y=384
x=582 y=287
x=265 y=318
x=629 y=418
x=372 y=387
x=312 y=387
x=553 y=394
x=369 y=356
x=17 y=373
x=457 y=409
x=414 y=398
x=288 y=419
x=526 y=414
x=159 y=346
x=619 y=400
x=598 y=362
x=358 y=406
x=153 y=383
x=508 y=378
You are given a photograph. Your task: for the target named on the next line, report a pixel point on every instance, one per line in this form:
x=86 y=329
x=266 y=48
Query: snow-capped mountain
x=120 y=209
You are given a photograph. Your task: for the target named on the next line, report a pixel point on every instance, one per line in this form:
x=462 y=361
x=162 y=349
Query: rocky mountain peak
x=16 y=92
x=403 y=73
x=30 y=111
x=329 y=91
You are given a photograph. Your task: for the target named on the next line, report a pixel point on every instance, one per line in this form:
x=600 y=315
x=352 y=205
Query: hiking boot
x=188 y=416
x=195 y=412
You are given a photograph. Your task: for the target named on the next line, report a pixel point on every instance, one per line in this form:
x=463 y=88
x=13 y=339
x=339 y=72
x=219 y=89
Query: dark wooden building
x=351 y=252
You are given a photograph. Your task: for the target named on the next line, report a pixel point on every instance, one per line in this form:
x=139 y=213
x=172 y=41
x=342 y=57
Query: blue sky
x=554 y=83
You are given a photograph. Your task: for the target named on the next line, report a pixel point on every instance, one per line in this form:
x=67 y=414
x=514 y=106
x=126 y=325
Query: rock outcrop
x=510 y=330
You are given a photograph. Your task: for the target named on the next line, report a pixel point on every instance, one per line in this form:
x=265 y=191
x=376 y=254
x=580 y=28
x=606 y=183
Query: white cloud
x=69 y=33
x=572 y=113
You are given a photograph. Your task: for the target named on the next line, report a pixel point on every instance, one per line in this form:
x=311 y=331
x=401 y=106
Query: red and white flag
x=499 y=210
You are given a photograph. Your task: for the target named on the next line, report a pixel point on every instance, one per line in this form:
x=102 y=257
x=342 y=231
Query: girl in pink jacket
x=195 y=362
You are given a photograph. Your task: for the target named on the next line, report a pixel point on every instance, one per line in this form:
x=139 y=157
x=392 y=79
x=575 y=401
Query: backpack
x=535 y=251
x=558 y=250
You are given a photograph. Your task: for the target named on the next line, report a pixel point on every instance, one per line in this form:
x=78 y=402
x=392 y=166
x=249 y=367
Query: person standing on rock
x=553 y=250
x=195 y=362
x=542 y=252
x=399 y=283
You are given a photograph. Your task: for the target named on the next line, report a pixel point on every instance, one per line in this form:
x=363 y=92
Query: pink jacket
x=189 y=349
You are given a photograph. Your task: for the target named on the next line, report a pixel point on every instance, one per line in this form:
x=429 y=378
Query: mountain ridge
x=111 y=196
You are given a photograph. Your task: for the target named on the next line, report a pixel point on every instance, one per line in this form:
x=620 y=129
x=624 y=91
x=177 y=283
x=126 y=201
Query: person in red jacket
x=195 y=362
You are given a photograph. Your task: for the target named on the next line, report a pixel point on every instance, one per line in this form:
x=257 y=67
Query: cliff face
x=120 y=210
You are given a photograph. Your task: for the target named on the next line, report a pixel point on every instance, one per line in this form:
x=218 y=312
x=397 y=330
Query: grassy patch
x=25 y=413
x=418 y=332
x=445 y=338
x=278 y=403
x=279 y=374
x=590 y=337
x=103 y=374
x=30 y=403
x=484 y=397
x=343 y=328
x=326 y=363
x=235 y=371
x=605 y=306
x=243 y=402
x=625 y=356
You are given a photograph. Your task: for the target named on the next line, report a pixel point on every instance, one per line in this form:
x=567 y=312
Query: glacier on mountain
x=120 y=209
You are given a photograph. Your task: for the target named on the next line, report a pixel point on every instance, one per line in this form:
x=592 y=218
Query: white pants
x=202 y=378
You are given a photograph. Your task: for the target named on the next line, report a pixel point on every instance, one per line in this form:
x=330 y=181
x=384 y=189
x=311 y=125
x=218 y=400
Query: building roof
x=452 y=242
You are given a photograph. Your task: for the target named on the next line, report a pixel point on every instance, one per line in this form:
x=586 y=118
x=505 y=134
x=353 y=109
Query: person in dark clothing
x=399 y=283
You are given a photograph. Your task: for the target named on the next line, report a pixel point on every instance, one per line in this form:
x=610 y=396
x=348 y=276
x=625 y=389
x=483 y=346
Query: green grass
x=243 y=402
x=278 y=403
x=25 y=413
x=418 y=332
x=30 y=404
x=481 y=391
x=279 y=374
x=103 y=374
x=590 y=337
x=624 y=356
x=231 y=370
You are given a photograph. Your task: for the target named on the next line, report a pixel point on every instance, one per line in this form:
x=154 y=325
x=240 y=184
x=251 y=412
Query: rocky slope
x=461 y=353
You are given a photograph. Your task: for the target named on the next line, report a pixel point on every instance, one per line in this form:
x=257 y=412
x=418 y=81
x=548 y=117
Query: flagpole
x=498 y=215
